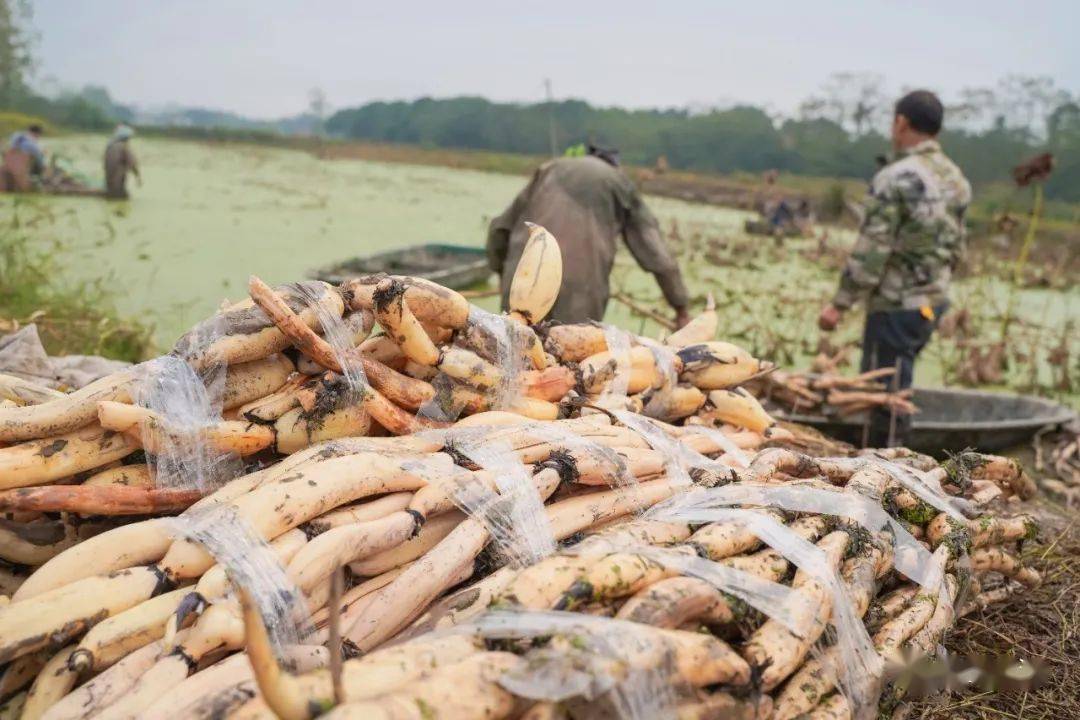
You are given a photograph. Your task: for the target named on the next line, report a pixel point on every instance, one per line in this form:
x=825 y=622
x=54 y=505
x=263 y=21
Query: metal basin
x=952 y=420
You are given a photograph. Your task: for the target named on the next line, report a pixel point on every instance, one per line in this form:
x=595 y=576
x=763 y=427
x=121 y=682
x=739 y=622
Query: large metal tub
x=951 y=420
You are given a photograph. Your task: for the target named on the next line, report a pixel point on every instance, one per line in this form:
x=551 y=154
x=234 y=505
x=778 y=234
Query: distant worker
x=119 y=161
x=586 y=203
x=768 y=195
x=911 y=239
x=804 y=218
x=29 y=142
x=24 y=160
x=782 y=217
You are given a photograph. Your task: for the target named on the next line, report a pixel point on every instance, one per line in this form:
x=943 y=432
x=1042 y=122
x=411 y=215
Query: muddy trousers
x=894 y=339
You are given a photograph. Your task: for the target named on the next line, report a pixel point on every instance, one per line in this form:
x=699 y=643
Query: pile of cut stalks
x=376 y=501
x=832 y=394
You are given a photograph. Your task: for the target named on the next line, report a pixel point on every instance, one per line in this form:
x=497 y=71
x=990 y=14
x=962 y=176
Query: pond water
x=208 y=216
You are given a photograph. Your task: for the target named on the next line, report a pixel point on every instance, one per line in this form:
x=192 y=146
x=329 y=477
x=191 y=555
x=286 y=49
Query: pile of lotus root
x=464 y=515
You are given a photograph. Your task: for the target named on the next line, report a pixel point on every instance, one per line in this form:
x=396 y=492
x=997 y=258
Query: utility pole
x=551 y=117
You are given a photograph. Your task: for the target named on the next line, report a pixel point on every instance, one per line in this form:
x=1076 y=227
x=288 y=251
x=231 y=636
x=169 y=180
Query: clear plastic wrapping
x=921 y=484
x=618 y=344
x=185 y=390
x=442 y=407
x=506 y=346
x=557 y=435
x=727 y=444
x=861 y=667
x=771 y=599
x=337 y=334
x=514 y=512
x=624 y=664
x=509 y=348
x=665 y=359
x=911 y=558
x=252 y=565
x=678 y=458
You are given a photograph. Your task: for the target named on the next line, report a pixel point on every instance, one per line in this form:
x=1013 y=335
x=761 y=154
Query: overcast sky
x=262 y=57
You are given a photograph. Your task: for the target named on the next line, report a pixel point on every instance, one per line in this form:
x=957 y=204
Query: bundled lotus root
x=530 y=520
x=831 y=393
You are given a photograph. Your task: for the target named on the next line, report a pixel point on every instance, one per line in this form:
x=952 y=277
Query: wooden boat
x=453 y=266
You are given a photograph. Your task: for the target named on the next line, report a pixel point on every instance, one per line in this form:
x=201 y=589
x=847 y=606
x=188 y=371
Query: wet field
x=208 y=215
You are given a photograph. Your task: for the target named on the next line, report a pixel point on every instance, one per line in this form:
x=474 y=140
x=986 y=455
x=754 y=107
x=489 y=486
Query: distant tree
x=78 y=112
x=855 y=100
x=821 y=147
x=975 y=109
x=99 y=97
x=318 y=108
x=741 y=138
x=1063 y=125
x=1063 y=139
x=16 y=50
x=1028 y=101
x=812 y=108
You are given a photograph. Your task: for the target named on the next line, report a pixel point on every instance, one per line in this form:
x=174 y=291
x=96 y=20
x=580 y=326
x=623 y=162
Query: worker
x=782 y=216
x=24 y=158
x=119 y=161
x=910 y=240
x=586 y=203
x=804 y=218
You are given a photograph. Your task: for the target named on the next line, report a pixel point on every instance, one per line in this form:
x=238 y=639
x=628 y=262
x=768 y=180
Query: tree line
x=838 y=133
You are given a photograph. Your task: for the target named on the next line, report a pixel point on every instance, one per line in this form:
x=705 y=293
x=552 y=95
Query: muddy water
x=208 y=215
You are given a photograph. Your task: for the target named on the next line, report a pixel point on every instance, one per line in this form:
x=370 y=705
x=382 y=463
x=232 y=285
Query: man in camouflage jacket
x=910 y=241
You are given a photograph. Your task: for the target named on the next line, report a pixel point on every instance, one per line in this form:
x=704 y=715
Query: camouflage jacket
x=912 y=235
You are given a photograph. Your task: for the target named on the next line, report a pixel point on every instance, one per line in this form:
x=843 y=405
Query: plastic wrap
x=911 y=558
x=726 y=443
x=773 y=600
x=678 y=458
x=442 y=407
x=252 y=565
x=665 y=358
x=514 y=513
x=508 y=351
x=618 y=344
x=185 y=392
x=557 y=435
x=861 y=667
x=593 y=663
x=338 y=335
x=921 y=484
x=22 y=355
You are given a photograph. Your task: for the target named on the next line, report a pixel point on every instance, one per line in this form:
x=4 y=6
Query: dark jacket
x=586 y=204
x=119 y=161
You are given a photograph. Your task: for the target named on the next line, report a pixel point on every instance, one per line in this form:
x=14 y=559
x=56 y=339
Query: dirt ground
x=1041 y=624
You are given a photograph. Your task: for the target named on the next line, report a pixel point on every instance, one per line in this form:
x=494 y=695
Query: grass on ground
x=73 y=318
x=11 y=122
x=1041 y=624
